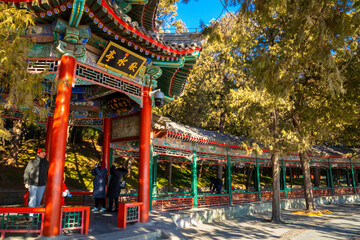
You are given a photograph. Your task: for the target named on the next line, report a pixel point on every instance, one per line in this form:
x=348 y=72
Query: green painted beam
x=173 y=64
x=284 y=177
x=228 y=176
x=137 y=1
x=76 y=13
x=331 y=178
x=353 y=177
x=258 y=178
x=194 y=180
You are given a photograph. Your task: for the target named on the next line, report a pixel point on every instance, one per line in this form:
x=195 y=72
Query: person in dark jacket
x=216 y=185
x=115 y=186
x=212 y=184
x=35 y=177
x=99 y=186
x=219 y=184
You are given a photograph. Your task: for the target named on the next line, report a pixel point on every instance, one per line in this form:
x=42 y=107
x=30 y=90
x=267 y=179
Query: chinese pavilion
x=108 y=57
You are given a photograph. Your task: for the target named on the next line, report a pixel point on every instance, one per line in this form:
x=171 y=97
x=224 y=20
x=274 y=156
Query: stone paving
x=342 y=223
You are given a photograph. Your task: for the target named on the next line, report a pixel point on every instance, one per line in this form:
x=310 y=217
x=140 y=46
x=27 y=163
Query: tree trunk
x=200 y=171
x=170 y=177
x=335 y=175
x=15 y=143
x=356 y=176
x=297 y=173
x=69 y=130
x=220 y=170
x=317 y=177
x=276 y=214
x=244 y=173
x=310 y=205
x=221 y=130
x=248 y=176
x=94 y=146
x=129 y=165
x=73 y=135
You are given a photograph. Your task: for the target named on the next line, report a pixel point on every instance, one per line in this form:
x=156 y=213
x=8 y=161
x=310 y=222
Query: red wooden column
x=49 y=125
x=106 y=143
x=144 y=156
x=57 y=148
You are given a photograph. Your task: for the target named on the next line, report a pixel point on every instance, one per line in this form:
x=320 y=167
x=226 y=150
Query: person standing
x=219 y=184
x=99 y=186
x=117 y=182
x=35 y=177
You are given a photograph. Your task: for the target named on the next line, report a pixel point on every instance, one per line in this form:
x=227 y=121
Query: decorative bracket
x=70 y=40
x=152 y=73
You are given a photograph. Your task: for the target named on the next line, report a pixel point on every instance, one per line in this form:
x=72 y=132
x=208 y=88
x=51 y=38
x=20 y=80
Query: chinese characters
x=121 y=60
x=110 y=55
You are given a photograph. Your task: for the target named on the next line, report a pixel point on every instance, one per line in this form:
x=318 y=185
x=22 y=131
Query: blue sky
x=193 y=11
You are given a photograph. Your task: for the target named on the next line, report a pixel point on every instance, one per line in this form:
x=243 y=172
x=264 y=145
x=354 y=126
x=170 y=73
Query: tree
x=300 y=57
x=205 y=103
x=290 y=62
x=166 y=15
x=22 y=90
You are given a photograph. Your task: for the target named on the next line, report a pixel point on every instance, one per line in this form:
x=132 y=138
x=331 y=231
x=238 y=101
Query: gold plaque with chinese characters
x=121 y=60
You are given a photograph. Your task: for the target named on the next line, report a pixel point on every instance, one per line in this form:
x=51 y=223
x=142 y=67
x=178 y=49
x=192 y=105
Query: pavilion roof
x=194 y=134
x=136 y=30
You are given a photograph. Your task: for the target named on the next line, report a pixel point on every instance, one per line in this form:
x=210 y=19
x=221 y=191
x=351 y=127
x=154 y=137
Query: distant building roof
x=194 y=134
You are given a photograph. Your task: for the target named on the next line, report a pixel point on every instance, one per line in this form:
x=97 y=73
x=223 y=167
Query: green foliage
x=206 y=102
x=167 y=14
x=89 y=134
x=22 y=89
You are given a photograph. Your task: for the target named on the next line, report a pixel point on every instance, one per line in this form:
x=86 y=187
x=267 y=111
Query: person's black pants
x=97 y=201
x=111 y=200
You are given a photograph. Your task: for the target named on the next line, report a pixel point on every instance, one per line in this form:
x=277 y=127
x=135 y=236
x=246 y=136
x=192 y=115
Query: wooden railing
x=23 y=219
x=213 y=200
x=172 y=203
x=128 y=212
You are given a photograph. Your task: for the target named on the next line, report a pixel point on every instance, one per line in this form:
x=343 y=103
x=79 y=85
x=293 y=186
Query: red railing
x=85 y=217
x=295 y=194
x=12 y=221
x=344 y=191
x=216 y=200
x=13 y=218
x=125 y=216
x=245 y=197
x=266 y=196
x=322 y=192
x=172 y=204
x=12 y=226
x=85 y=198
